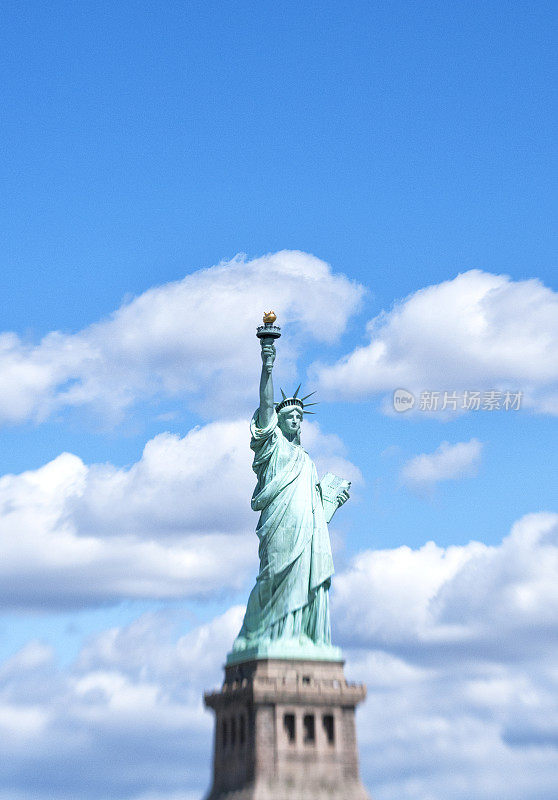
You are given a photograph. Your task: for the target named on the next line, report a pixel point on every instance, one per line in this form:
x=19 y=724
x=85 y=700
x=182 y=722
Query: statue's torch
x=268 y=332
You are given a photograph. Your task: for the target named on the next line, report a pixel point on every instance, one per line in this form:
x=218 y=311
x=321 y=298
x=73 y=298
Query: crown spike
x=309 y=395
x=295 y=394
x=309 y=412
x=310 y=404
x=284 y=395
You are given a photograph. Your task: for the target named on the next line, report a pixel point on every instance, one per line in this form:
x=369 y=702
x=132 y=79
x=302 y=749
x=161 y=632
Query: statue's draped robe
x=291 y=595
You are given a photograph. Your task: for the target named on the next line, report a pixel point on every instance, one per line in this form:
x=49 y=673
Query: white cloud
x=125 y=721
x=476 y=332
x=449 y=462
x=72 y=534
x=394 y=589
x=193 y=337
x=458 y=647
x=455 y=597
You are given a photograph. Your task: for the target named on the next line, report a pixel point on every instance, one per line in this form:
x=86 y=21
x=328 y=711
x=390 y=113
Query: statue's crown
x=295 y=402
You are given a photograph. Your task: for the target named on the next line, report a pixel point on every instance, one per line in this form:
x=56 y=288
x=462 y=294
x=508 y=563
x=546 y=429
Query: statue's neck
x=292 y=436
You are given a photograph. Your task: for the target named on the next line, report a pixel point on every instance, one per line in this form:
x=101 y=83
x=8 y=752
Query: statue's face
x=289 y=422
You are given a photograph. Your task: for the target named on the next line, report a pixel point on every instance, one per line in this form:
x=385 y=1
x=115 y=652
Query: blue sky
x=383 y=175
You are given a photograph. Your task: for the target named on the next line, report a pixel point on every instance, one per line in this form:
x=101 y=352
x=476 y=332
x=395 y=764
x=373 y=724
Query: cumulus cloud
x=193 y=337
x=125 y=721
x=458 y=648
x=477 y=332
x=454 y=597
x=72 y=534
x=457 y=645
x=449 y=462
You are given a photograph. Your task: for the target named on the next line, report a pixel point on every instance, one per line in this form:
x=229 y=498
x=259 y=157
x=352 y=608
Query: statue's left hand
x=342 y=497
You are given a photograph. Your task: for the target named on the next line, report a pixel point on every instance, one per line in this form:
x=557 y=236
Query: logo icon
x=403 y=400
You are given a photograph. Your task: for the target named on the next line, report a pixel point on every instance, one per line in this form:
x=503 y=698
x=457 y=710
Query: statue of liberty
x=288 y=609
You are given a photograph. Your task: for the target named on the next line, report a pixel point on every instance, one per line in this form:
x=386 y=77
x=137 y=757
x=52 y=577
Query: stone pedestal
x=285 y=730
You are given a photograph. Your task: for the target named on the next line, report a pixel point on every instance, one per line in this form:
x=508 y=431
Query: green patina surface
x=287 y=615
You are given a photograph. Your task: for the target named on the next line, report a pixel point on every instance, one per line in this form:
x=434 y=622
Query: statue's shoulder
x=269 y=432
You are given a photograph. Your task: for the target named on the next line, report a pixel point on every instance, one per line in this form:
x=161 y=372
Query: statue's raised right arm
x=265 y=411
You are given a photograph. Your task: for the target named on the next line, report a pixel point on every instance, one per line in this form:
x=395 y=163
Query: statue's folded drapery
x=291 y=595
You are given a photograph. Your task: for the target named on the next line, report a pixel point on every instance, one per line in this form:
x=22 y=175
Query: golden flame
x=269 y=317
